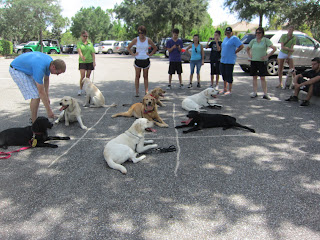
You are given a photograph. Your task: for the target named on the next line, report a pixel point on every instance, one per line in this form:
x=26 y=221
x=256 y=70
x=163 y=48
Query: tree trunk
x=40 y=40
x=260 y=19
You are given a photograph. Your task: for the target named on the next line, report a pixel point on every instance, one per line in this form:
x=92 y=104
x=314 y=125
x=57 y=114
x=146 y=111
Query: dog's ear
x=206 y=92
x=73 y=102
x=36 y=126
x=138 y=128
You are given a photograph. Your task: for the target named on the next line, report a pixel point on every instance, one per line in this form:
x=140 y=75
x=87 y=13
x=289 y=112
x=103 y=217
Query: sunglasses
x=85 y=36
x=141 y=32
x=258 y=32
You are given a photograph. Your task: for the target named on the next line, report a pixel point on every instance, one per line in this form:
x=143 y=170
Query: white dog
x=94 y=97
x=288 y=82
x=203 y=99
x=128 y=144
x=71 y=111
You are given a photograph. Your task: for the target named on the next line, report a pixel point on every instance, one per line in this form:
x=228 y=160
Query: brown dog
x=147 y=109
x=157 y=93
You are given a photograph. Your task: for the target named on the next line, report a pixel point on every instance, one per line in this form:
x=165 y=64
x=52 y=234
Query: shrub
x=6 y=47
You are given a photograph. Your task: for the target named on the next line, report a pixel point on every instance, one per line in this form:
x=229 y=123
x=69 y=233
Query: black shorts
x=86 y=66
x=142 y=63
x=257 y=66
x=215 y=68
x=316 y=86
x=175 y=67
x=227 y=72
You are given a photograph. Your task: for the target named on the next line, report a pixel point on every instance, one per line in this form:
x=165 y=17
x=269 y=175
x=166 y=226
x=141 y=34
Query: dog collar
x=126 y=132
x=145 y=111
x=151 y=95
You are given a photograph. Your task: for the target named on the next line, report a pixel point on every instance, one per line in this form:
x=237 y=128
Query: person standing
x=87 y=60
x=197 y=59
x=230 y=46
x=215 y=56
x=31 y=71
x=142 y=61
x=257 y=52
x=174 y=46
x=287 y=43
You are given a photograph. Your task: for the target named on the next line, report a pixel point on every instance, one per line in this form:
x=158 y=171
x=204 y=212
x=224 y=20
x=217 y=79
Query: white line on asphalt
x=177 y=140
x=54 y=161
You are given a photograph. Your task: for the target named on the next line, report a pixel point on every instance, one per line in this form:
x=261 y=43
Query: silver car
x=306 y=48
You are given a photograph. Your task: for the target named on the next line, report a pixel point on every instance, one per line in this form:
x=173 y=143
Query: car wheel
x=245 y=68
x=53 y=51
x=272 y=67
x=166 y=53
x=110 y=51
x=19 y=51
x=27 y=50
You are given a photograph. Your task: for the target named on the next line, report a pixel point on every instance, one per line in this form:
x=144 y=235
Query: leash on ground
x=171 y=148
x=8 y=154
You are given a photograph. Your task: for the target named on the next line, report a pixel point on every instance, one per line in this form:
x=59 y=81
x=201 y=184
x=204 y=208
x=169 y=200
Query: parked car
x=18 y=48
x=49 y=46
x=75 y=50
x=186 y=55
x=107 y=46
x=123 y=48
x=306 y=48
x=68 y=48
x=117 y=47
x=163 y=43
x=96 y=48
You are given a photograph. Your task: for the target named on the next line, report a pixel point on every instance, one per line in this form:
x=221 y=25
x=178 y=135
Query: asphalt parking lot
x=230 y=184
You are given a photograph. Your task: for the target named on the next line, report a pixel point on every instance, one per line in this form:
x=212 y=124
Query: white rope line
x=66 y=152
x=177 y=140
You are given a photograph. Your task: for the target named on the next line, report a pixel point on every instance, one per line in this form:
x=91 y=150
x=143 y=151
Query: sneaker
x=190 y=85
x=181 y=86
x=266 y=96
x=305 y=103
x=168 y=87
x=217 y=87
x=211 y=86
x=79 y=92
x=292 y=99
x=198 y=85
x=253 y=95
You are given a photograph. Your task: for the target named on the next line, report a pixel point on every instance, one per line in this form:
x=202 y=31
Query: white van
x=107 y=46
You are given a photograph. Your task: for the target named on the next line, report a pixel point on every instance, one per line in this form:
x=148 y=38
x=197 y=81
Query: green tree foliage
x=248 y=9
x=26 y=19
x=160 y=17
x=94 y=20
x=67 y=38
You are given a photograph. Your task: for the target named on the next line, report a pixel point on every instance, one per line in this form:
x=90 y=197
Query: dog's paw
x=84 y=127
x=124 y=171
x=164 y=125
x=67 y=124
x=56 y=121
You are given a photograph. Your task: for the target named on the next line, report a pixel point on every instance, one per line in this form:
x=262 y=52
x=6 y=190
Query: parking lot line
x=86 y=132
x=177 y=140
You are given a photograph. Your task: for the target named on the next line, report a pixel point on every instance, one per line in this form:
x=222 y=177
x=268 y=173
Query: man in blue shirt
x=174 y=46
x=231 y=45
x=31 y=72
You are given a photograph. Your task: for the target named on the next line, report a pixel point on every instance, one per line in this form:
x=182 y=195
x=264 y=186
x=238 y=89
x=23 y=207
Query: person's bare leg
x=137 y=78
x=230 y=87
x=146 y=80
x=180 y=79
x=82 y=75
x=264 y=85
x=34 y=106
x=310 y=92
x=280 y=71
x=170 y=78
x=88 y=73
x=255 y=83
x=217 y=80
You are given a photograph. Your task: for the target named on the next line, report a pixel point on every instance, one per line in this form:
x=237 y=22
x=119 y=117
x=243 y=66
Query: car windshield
x=248 y=37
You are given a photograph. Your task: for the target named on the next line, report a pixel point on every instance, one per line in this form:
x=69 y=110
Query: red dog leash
x=8 y=154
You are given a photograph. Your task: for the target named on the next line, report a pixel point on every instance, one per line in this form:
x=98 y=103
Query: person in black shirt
x=215 y=56
x=311 y=86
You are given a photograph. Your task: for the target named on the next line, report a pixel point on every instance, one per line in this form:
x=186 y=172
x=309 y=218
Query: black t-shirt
x=215 y=54
x=310 y=74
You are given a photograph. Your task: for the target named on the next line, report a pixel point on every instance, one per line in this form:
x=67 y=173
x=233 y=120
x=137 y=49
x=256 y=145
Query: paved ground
x=229 y=184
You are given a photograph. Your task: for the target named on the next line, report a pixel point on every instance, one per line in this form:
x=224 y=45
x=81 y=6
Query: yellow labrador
x=70 y=111
x=127 y=145
x=94 y=97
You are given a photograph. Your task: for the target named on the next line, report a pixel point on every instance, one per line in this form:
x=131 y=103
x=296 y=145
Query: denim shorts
x=194 y=63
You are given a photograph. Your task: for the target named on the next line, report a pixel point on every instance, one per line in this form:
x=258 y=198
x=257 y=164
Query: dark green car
x=49 y=46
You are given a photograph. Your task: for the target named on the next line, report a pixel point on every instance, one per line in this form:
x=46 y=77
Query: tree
x=93 y=20
x=248 y=9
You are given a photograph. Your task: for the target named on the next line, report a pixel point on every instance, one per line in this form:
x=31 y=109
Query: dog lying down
x=94 y=98
x=198 y=121
x=158 y=93
x=203 y=99
x=127 y=145
x=70 y=111
x=25 y=136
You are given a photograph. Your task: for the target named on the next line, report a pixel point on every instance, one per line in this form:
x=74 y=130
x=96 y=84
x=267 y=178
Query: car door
x=308 y=50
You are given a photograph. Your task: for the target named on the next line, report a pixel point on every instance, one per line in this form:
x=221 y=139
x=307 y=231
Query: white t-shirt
x=142 y=49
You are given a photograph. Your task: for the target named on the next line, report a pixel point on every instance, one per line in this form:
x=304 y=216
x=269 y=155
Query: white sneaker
x=253 y=95
x=168 y=87
x=79 y=92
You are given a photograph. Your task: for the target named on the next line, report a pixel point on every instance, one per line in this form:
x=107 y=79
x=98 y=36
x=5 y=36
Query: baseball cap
x=228 y=29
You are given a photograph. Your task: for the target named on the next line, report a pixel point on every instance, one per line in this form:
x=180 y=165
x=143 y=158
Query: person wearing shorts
x=257 y=52
x=230 y=46
x=87 y=60
x=287 y=43
x=311 y=86
x=31 y=71
x=142 y=61
x=174 y=46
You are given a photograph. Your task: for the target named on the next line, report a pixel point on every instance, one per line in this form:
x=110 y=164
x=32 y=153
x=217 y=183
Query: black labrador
x=199 y=121
x=25 y=136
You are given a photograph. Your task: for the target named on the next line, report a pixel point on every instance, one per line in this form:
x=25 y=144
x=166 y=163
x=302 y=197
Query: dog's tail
x=245 y=127
x=112 y=105
x=116 y=166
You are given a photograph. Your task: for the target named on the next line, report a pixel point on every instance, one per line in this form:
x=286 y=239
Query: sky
x=216 y=11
